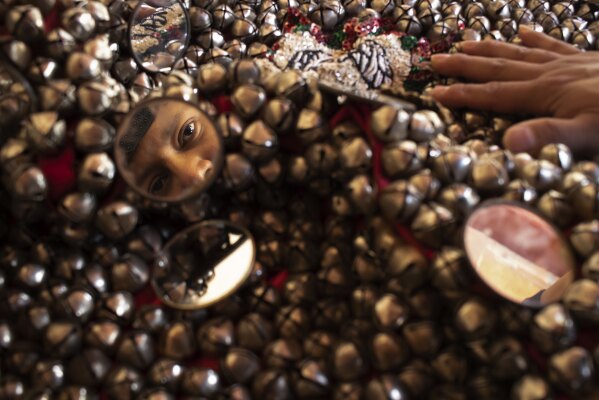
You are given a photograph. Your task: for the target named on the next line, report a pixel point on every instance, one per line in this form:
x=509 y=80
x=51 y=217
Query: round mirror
x=203 y=264
x=158 y=34
x=518 y=254
x=168 y=150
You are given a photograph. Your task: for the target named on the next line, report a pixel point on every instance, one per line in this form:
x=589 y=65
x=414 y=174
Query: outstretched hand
x=545 y=77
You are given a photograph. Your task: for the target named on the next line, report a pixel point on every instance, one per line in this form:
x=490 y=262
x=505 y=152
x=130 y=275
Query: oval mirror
x=168 y=150
x=518 y=254
x=203 y=264
x=158 y=34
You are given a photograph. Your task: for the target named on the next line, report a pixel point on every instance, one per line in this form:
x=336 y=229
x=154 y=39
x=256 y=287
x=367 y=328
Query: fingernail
x=439 y=91
x=520 y=140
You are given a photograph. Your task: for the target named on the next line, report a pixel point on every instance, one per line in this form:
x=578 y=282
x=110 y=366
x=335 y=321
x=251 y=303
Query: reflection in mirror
x=168 y=150
x=203 y=264
x=158 y=34
x=518 y=254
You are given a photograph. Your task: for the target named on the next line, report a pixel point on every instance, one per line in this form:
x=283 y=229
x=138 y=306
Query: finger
x=497 y=49
x=541 y=41
x=580 y=134
x=482 y=69
x=504 y=97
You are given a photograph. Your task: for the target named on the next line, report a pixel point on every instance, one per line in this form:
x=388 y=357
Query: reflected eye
x=186 y=134
x=158 y=184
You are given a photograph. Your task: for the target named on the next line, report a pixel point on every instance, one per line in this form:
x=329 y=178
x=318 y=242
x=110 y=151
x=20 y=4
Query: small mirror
x=158 y=34
x=203 y=264
x=518 y=254
x=168 y=150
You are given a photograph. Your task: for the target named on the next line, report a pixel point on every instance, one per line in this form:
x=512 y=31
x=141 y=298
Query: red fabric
x=59 y=171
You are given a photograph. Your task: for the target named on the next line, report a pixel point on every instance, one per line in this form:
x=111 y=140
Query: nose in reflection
x=188 y=170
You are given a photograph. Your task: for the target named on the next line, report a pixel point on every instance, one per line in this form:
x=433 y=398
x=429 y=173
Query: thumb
x=580 y=134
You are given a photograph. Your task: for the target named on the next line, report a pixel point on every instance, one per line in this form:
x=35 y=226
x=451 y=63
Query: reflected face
x=169 y=150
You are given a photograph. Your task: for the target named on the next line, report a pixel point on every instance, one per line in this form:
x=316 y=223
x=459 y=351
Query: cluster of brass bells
x=337 y=305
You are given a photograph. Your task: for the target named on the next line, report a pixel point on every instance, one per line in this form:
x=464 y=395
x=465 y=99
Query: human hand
x=545 y=77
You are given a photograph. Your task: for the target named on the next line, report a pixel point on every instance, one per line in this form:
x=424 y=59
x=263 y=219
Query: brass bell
x=46 y=131
x=453 y=165
x=585 y=237
x=390 y=124
x=117 y=219
x=211 y=77
x=432 y=224
x=25 y=22
x=581 y=299
x=401 y=159
x=399 y=201
x=259 y=142
x=553 y=328
x=58 y=95
x=311 y=126
x=572 y=370
x=248 y=99
x=78 y=22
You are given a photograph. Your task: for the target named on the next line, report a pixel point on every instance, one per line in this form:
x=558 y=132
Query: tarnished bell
x=349 y=362
x=259 y=142
x=459 y=198
x=216 y=335
x=88 y=368
x=129 y=273
x=453 y=165
x=116 y=219
x=45 y=131
x=123 y=382
x=78 y=22
x=531 y=387
x=432 y=224
x=401 y=159
x=553 y=328
x=177 y=341
x=248 y=99
x=240 y=365
x=399 y=201
x=585 y=237
x=582 y=299
x=390 y=124
x=450 y=272
x=58 y=95
x=425 y=125
x=200 y=382
x=82 y=66
x=272 y=384
x=474 y=319
x=62 y=338
x=166 y=373
x=117 y=307
x=572 y=370
x=25 y=22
